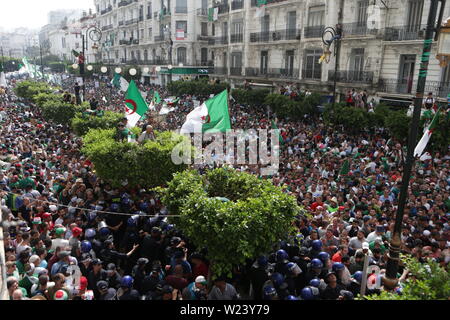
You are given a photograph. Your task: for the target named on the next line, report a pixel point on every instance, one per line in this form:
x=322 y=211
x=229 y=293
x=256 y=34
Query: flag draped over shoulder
x=211 y=116
x=427 y=135
x=135 y=104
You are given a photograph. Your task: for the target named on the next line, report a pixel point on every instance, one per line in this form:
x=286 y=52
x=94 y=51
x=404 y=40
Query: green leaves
x=81 y=123
x=257 y=215
x=28 y=89
x=253 y=97
x=117 y=162
x=196 y=87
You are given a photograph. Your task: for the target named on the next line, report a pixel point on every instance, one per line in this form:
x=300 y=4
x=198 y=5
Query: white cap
x=200 y=279
x=365 y=245
x=426 y=233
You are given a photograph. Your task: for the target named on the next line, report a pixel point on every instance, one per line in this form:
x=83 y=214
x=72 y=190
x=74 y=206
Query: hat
x=96 y=262
x=79 y=180
x=201 y=279
x=111 y=266
x=46 y=215
x=61 y=295
x=426 y=233
x=60 y=231
x=76 y=231
x=37 y=220
x=142 y=261
x=380 y=229
x=102 y=285
x=83 y=283
x=365 y=245
x=334 y=199
x=366 y=218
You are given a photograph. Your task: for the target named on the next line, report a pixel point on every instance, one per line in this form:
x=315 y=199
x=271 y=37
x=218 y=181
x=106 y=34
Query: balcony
x=109 y=9
x=124 y=42
x=254 y=2
x=236 y=71
x=202 y=12
x=408 y=87
x=131 y=21
x=218 y=40
x=312 y=74
x=135 y=41
x=141 y=18
x=239 y=37
x=121 y=23
x=273 y=36
x=220 y=70
x=203 y=38
x=348 y=76
x=224 y=8
x=314 y=32
x=181 y=9
x=357 y=29
x=203 y=63
x=404 y=33
x=149 y=16
x=283 y=73
x=124 y=3
x=159 y=38
x=109 y=27
x=155 y=14
x=237 y=4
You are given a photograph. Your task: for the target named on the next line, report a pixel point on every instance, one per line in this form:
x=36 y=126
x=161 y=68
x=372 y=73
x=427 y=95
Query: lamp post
x=170 y=44
x=95 y=34
x=390 y=280
x=336 y=35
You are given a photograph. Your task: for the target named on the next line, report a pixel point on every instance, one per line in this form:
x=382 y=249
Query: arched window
x=181 y=55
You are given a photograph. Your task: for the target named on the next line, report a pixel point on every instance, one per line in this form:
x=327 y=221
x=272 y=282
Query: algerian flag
x=260 y=8
x=216 y=14
x=211 y=116
x=135 y=105
x=210 y=14
x=274 y=126
x=119 y=82
x=165 y=110
x=156 y=98
x=345 y=168
x=171 y=101
x=427 y=135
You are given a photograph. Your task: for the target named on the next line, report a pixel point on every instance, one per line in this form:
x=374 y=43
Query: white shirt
x=59 y=243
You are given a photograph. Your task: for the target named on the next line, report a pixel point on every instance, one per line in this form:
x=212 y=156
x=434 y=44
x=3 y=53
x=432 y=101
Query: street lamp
x=180 y=64
x=146 y=70
x=336 y=35
x=390 y=280
x=89 y=67
x=103 y=69
x=132 y=71
x=118 y=70
x=170 y=67
x=158 y=69
x=75 y=66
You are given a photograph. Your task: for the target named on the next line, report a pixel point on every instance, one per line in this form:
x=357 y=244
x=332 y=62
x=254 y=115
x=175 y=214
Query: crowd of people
x=69 y=235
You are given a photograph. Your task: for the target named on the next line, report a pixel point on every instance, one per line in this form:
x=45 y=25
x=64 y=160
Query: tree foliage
x=293 y=108
x=28 y=89
x=255 y=217
x=119 y=163
x=199 y=87
x=430 y=281
x=82 y=123
x=58 y=111
x=254 y=97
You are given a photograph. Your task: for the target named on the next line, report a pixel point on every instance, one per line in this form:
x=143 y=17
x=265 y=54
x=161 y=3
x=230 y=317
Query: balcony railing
x=404 y=33
x=131 y=21
x=203 y=38
x=109 y=9
x=223 y=8
x=121 y=23
x=283 y=73
x=314 y=32
x=159 y=38
x=408 y=87
x=181 y=9
x=202 y=12
x=239 y=37
x=108 y=60
x=124 y=3
x=357 y=29
x=220 y=70
x=310 y=74
x=272 y=36
x=154 y=62
x=126 y=42
x=141 y=18
x=254 y=2
x=236 y=71
x=348 y=76
x=135 y=41
x=155 y=14
x=237 y=4
x=218 y=40
x=109 y=27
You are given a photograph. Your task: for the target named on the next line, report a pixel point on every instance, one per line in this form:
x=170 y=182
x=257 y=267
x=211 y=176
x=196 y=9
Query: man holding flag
x=427 y=135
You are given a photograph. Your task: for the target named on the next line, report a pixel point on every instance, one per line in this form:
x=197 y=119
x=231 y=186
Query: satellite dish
x=373 y=17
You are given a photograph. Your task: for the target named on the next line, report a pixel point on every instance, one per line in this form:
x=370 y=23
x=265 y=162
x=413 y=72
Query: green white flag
x=427 y=135
x=135 y=105
x=119 y=82
x=211 y=116
x=345 y=169
x=274 y=126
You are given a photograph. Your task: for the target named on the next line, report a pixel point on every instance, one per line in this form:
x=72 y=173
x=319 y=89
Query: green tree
x=82 y=123
x=148 y=165
x=398 y=123
x=59 y=111
x=28 y=89
x=429 y=281
x=235 y=215
x=200 y=87
x=254 y=97
x=351 y=119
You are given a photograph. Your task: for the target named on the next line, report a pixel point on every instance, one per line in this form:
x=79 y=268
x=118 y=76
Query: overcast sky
x=33 y=13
